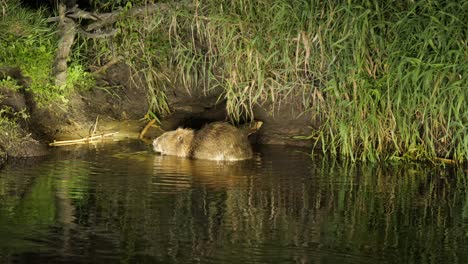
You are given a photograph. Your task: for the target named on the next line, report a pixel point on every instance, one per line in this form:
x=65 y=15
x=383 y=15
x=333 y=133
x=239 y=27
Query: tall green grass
x=386 y=80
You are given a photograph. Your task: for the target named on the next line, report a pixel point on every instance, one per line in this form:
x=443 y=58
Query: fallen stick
x=80 y=141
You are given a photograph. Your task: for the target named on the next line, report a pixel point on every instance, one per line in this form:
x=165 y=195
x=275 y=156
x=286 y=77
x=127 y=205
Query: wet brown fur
x=215 y=141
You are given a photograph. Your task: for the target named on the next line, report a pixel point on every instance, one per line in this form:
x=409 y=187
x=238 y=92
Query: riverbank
x=364 y=81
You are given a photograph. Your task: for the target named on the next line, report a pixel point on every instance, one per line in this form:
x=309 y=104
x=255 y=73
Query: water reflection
x=124 y=203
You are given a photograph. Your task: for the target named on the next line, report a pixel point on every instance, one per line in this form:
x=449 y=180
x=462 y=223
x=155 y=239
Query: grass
x=10 y=132
x=387 y=81
x=29 y=42
x=143 y=47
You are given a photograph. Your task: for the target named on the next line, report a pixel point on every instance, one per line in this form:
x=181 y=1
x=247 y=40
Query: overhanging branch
x=69 y=24
x=106 y=19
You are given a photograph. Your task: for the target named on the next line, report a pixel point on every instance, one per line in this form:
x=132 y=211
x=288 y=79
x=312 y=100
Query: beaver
x=215 y=141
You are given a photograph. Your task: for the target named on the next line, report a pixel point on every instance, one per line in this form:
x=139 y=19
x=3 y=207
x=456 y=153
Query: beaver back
x=220 y=141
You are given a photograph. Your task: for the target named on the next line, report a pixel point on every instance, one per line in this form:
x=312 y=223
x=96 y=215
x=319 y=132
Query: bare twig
x=93 y=128
x=84 y=140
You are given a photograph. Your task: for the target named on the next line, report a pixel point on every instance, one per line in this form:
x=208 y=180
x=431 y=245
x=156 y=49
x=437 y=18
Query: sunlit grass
x=389 y=80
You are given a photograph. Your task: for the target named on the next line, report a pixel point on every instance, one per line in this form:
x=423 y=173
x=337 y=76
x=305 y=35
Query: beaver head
x=175 y=142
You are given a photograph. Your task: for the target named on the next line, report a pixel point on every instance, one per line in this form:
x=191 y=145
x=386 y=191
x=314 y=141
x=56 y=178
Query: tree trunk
x=67 y=31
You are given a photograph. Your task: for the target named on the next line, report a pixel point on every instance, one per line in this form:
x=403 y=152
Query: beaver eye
x=179 y=138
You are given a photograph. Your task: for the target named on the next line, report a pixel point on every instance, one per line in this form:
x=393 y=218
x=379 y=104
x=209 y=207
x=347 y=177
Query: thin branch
x=105 y=19
x=104 y=68
x=110 y=18
x=81 y=140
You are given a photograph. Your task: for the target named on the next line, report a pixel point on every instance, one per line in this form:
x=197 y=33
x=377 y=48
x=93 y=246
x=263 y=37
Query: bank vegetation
x=379 y=80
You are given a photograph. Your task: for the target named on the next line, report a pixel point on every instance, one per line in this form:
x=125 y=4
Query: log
x=67 y=37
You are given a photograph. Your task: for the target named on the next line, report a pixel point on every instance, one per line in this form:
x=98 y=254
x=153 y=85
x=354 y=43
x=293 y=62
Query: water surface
x=123 y=203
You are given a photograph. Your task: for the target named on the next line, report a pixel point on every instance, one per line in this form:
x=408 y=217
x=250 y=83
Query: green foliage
x=29 y=42
x=78 y=77
x=10 y=84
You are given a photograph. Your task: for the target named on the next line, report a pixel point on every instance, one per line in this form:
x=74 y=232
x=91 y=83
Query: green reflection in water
x=25 y=204
x=406 y=213
x=132 y=206
x=35 y=198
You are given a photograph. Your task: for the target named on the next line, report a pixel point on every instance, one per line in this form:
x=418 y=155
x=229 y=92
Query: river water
x=122 y=203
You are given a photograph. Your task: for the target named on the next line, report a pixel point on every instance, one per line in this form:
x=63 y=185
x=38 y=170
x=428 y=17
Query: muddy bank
x=28 y=126
x=123 y=109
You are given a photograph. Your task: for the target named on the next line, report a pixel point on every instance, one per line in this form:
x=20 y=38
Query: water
x=123 y=203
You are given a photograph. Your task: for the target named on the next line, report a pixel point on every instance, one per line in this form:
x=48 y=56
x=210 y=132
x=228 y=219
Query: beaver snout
x=157 y=145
